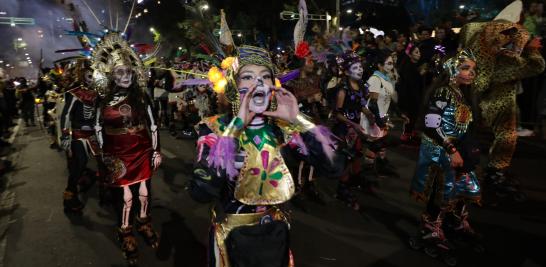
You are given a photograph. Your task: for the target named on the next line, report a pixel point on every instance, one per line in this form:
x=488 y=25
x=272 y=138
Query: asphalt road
x=41 y=234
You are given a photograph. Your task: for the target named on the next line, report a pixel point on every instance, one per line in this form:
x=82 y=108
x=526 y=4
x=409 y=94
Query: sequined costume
x=243 y=168
x=440 y=180
x=448 y=110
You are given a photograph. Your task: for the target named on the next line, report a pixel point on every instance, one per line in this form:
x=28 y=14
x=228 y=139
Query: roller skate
x=147 y=232
x=432 y=240
x=128 y=245
x=462 y=234
x=498 y=187
x=71 y=202
x=345 y=195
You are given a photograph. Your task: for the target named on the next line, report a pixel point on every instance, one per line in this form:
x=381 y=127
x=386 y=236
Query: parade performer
x=128 y=136
x=239 y=162
x=444 y=177
x=381 y=90
x=77 y=130
x=350 y=104
x=505 y=56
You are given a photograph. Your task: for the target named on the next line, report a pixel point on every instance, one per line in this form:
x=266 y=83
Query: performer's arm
x=98 y=128
x=208 y=179
x=69 y=101
x=433 y=120
x=530 y=64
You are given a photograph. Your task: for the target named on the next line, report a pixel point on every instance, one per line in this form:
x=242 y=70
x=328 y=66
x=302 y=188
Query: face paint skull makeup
x=356 y=71
x=262 y=78
x=123 y=76
x=389 y=64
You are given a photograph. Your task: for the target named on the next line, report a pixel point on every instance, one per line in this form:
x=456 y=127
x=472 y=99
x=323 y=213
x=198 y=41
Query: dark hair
x=380 y=58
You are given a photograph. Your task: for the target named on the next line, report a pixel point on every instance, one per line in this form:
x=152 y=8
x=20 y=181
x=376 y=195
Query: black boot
x=144 y=228
x=71 y=202
x=344 y=194
x=128 y=244
x=498 y=186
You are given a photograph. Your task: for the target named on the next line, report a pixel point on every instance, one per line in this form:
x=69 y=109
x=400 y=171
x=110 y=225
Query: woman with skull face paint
x=127 y=133
x=444 y=177
x=351 y=101
x=381 y=88
x=239 y=163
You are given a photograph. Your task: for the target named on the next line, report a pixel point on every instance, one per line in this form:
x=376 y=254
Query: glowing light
x=26 y=54
x=461 y=6
x=7 y=65
x=19 y=39
x=140 y=1
x=152 y=29
x=239 y=35
x=349 y=11
x=180 y=48
x=205 y=7
x=145 y=10
x=227 y=62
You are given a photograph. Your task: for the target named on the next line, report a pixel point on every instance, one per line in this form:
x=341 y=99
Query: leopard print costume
x=498 y=74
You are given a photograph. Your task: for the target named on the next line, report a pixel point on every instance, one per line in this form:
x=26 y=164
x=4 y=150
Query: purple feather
x=222 y=156
x=190 y=82
x=325 y=137
x=294 y=74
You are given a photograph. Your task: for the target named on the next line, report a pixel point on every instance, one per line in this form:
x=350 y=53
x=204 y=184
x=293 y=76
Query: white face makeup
x=260 y=76
x=88 y=77
x=123 y=76
x=356 y=71
x=389 y=64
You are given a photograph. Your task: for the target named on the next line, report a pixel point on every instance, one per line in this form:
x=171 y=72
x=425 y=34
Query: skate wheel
x=132 y=262
x=520 y=197
x=432 y=252
x=414 y=243
x=450 y=260
x=478 y=249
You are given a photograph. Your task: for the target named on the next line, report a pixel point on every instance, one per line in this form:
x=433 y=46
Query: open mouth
x=259 y=97
x=510 y=49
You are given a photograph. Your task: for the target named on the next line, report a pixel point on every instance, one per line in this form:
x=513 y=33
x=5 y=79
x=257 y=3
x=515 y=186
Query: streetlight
x=239 y=35
x=349 y=11
x=461 y=6
x=152 y=29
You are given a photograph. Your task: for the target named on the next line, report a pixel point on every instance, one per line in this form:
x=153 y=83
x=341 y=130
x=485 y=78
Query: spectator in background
x=426 y=44
x=533 y=18
x=27 y=104
x=410 y=92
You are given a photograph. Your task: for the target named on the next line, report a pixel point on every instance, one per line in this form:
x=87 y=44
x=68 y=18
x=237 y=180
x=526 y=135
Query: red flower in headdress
x=302 y=50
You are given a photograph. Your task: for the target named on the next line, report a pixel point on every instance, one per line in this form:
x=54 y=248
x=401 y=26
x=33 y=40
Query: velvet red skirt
x=127 y=158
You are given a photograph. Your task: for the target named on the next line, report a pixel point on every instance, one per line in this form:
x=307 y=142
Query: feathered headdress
x=110 y=52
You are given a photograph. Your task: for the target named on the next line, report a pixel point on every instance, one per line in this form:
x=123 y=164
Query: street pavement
x=41 y=234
